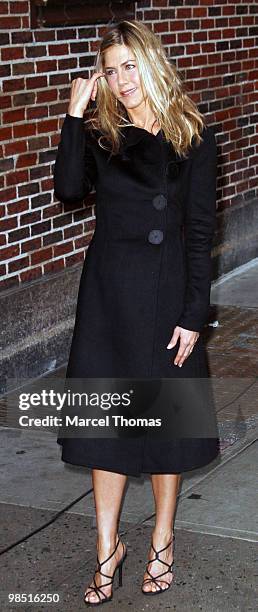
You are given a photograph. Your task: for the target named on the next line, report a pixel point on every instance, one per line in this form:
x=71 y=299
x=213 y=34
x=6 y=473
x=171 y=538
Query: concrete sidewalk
x=216 y=533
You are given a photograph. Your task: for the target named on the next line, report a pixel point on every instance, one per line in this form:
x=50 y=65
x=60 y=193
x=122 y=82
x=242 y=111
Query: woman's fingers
x=94 y=91
x=183 y=353
x=81 y=92
x=187 y=341
x=95 y=77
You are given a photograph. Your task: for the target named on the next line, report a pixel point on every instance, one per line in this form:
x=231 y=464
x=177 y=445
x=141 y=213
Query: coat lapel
x=131 y=137
x=139 y=143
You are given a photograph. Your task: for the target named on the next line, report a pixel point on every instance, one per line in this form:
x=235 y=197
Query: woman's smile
x=129 y=92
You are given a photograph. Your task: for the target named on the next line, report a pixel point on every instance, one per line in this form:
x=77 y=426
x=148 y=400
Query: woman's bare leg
x=108 y=492
x=165 y=489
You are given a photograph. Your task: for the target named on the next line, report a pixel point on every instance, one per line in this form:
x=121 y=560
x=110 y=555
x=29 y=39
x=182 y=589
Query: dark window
x=55 y=13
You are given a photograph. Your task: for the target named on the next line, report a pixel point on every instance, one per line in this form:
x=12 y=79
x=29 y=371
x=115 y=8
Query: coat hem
x=143 y=470
x=101 y=467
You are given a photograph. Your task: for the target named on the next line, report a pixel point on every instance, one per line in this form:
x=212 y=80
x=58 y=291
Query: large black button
x=159 y=202
x=155 y=236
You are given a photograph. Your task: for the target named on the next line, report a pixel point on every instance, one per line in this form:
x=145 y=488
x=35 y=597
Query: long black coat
x=147 y=269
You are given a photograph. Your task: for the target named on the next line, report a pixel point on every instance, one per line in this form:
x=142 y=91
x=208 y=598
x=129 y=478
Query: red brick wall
x=213 y=45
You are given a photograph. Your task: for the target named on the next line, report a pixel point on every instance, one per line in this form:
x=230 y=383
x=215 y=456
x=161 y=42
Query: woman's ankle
x=164 y=535
x=107 y=541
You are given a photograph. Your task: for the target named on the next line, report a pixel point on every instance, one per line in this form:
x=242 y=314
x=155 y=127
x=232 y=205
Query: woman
x=145 y=285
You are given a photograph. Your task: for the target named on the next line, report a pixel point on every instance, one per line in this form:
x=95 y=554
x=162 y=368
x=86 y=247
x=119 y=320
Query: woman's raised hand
x=82 y=90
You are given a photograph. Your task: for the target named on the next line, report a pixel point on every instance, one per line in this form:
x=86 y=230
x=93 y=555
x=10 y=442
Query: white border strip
x=243 y=268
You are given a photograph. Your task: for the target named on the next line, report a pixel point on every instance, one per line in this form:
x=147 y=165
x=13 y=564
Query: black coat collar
x=138 y=141
x=140 y=146
x=132 y=135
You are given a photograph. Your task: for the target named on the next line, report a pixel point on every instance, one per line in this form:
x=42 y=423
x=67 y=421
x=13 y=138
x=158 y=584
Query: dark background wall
x=214 y=47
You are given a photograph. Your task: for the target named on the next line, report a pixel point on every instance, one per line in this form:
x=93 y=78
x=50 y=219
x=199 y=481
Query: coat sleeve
x=199 y=226
x=75 y=168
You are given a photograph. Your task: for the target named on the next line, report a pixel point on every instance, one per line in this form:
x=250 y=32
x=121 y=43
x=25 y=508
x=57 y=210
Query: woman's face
x=122 y=76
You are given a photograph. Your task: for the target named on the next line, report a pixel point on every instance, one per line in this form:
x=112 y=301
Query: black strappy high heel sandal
x=97 y=589
x=157 y=578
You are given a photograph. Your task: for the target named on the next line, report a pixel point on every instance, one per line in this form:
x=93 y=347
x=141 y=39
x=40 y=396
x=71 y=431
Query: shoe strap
x=155 y=578
x=169 y=565
x=157 y=552
x=97 y=588
x=112 y=554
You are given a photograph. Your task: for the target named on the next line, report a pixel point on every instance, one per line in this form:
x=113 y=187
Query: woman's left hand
x=187 y=341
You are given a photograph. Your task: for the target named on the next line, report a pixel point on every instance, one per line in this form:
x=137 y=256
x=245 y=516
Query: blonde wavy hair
x=178 y=115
